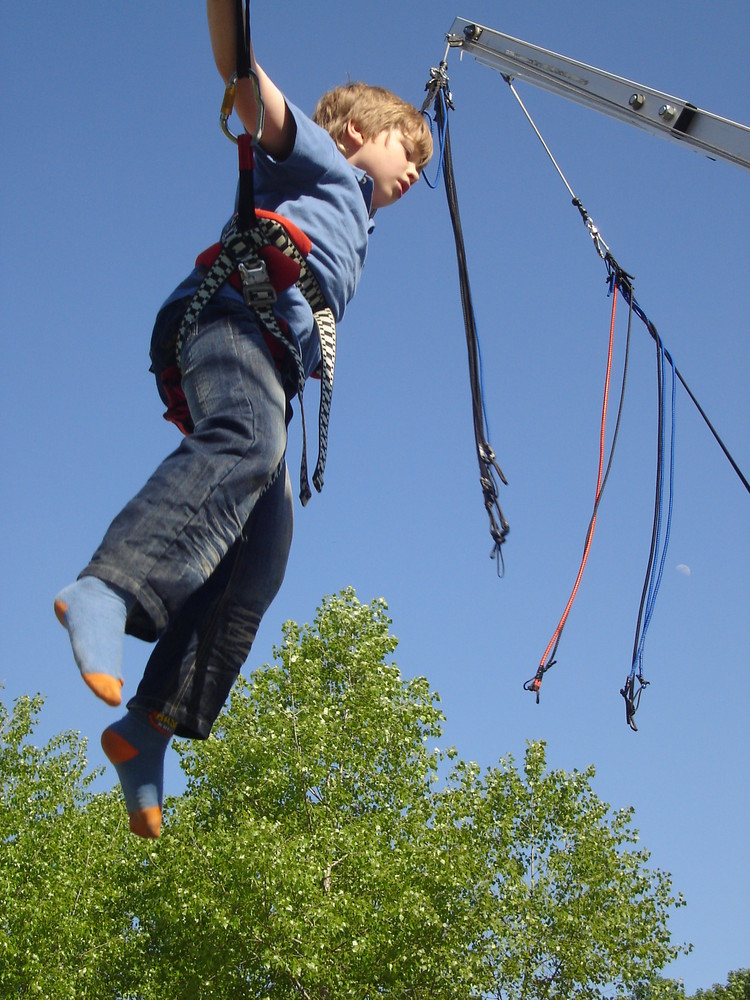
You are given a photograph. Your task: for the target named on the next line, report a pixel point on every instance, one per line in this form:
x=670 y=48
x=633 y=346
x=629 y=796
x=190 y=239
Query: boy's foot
x=94 y=615
x=136 y=745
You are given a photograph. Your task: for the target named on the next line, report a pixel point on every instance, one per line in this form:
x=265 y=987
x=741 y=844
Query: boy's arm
x=279 y=129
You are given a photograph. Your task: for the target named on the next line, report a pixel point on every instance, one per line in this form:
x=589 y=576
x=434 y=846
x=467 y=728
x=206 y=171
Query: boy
x=196 y=557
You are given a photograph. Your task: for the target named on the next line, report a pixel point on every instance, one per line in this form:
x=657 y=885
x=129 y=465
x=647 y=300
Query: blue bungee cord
x=438 y=122
x=658 y=552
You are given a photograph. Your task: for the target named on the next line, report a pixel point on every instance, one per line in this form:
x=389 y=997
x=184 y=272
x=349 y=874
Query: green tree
x=61 y=923
x=659 y=988
x=300 y=861
x=324 y=849
x=737 y=988
x=569 y=908
x=314 y=854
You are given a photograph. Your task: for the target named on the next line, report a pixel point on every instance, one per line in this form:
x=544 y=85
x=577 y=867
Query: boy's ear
x=354 y=135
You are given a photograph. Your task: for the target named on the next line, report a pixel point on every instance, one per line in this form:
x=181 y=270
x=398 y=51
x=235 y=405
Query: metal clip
x=439 y=81
x=257 y=290
x=227 y=105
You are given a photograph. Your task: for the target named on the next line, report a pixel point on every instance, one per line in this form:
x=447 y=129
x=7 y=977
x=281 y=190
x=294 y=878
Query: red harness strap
x=177 y=411
x=283 y=272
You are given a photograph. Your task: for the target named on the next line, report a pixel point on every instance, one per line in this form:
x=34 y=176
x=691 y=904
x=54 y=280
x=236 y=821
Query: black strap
x=490 y=473
x=246 y=192
x=242 y=20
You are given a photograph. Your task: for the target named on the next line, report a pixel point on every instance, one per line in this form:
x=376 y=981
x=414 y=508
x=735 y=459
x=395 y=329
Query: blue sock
x=136 y=745
x=94 y=613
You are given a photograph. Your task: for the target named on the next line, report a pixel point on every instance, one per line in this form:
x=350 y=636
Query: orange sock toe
x=146 y=822
x=105 y=687
x=117 y=748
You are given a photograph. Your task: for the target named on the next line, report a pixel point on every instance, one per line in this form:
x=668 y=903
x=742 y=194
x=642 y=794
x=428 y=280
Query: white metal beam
x=652 y=110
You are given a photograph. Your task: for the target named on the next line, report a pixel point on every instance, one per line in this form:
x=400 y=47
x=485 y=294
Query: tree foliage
x=324 y=848
x=737 y=988
x=61 y=915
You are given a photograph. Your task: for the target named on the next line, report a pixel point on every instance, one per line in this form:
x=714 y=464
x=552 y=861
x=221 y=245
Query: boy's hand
x=278 y=131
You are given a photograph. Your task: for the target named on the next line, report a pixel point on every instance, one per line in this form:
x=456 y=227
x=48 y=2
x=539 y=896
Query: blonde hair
x=375 y=110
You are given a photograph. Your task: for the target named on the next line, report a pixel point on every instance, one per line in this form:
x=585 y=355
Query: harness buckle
x=257 y=289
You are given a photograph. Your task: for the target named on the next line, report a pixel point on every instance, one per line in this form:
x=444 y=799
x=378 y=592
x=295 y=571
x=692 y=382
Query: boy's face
x=390 y=160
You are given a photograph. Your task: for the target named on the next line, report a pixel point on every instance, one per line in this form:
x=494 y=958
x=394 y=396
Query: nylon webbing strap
x=242 y=248
x=275 y=235
x=490 y=473
x=326 y=326
x=242 y=27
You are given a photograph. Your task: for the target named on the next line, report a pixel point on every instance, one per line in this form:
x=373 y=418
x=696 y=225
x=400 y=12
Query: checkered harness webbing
x=242 y=248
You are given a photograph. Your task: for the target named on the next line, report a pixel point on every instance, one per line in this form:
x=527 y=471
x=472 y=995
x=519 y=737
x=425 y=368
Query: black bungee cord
x=490 y=473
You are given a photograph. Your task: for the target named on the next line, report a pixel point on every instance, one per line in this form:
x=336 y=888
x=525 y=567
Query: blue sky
x=115 y=175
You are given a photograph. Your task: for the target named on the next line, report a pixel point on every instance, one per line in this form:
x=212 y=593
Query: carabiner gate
x=227 y=105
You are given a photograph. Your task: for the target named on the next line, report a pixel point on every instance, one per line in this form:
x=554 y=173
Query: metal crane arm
x=648 y=109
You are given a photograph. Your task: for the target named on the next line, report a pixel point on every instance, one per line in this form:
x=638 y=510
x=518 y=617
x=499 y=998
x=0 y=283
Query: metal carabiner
x=227 y=105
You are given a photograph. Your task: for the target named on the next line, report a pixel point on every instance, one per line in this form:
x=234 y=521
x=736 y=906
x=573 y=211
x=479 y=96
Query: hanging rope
x=652 y=331
x=619 y=279
x=604 y=252
x=490 y=473
x=658 y=550
x=548 y=657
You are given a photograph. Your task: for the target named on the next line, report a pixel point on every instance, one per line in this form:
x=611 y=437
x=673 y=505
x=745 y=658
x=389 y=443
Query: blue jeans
x=203 y=546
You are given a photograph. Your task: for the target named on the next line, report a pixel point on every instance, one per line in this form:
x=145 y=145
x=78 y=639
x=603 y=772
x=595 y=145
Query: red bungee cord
x=547 y=659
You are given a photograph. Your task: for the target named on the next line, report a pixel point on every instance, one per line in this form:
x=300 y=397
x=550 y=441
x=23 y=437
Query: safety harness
x=262 y=253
